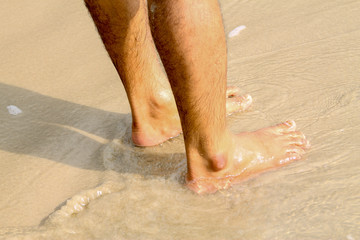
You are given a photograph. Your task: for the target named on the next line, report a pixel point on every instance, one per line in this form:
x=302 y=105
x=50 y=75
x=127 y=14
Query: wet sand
x=68 y=170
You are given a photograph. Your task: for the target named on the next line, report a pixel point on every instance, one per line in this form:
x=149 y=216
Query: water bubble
x=14 y=110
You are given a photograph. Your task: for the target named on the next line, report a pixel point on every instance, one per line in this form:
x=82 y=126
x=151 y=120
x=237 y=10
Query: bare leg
x=190 y=38
x=125 y=31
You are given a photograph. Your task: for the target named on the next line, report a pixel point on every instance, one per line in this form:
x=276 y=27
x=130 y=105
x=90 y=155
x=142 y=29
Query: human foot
x=161 y=121
x=245 y=155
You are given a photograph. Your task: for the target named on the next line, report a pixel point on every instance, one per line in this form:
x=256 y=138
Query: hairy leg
x=190 y=38
x=124 y=28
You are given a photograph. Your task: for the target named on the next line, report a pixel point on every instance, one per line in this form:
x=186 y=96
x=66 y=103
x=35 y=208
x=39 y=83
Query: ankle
x=155 y=120
x=208 y=159
x=152 y=106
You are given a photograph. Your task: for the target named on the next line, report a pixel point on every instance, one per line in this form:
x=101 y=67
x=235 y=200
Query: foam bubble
x=236 y=31
x=349 y=237
x=14 y=110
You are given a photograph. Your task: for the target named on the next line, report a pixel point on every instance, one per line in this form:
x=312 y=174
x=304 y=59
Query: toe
x=246 y=100
x=295 y=149
x=237 y=104
x=299 y=142
x=232 y=91
x=298 y=138
x=296 y=134
x=285 y=127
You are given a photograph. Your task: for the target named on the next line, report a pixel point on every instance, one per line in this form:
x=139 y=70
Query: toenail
x=291 y=124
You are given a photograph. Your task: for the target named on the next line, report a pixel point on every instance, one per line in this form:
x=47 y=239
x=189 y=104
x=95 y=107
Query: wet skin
x=249 y=154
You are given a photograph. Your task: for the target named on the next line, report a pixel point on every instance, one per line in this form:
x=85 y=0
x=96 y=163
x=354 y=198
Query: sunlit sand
x=68 y=169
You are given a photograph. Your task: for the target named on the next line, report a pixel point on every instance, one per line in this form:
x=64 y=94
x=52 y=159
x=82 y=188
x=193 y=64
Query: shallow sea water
x=294 y=69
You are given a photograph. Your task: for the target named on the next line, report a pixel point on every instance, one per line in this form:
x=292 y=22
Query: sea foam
x=236 y=31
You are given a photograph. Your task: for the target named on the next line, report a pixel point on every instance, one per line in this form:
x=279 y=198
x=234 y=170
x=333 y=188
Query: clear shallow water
x=142 y=196
x=302 y=66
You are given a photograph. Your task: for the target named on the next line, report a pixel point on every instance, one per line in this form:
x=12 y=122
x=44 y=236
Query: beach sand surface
x=69 y=171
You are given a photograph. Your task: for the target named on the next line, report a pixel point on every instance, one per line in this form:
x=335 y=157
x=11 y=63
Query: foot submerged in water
x=249 y=154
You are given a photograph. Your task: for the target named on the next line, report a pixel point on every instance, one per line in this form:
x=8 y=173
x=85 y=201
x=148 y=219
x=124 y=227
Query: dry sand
x=298 y=59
